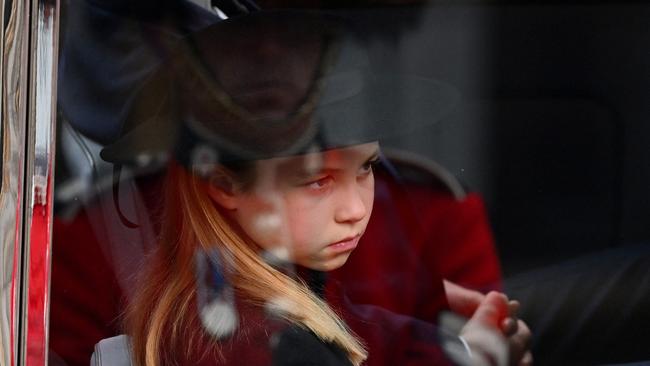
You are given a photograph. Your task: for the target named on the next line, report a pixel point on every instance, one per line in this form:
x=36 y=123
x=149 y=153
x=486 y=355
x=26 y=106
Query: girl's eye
x=369 y=166
x=319 y=184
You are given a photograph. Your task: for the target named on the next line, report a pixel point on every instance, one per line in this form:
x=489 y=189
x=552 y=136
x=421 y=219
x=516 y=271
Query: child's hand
x=466 y=302
x=518 y=335
x=486 y=342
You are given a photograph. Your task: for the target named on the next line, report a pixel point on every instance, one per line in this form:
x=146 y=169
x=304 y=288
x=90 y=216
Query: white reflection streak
x=280 y=306
x=268 y=222
x=215 y=296
x=220 y=13
x=271 y=222
x=313 y=160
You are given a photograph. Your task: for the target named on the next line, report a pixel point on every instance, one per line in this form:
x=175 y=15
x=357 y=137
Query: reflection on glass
x=261 y=190
x=266 y=127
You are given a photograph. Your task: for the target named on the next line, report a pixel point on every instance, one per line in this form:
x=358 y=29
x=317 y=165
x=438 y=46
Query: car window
x=335 y=183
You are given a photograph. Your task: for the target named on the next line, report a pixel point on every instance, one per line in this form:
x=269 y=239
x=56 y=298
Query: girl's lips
x=345 y=245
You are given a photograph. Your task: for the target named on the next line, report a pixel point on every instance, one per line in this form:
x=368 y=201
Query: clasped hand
x=493 y=332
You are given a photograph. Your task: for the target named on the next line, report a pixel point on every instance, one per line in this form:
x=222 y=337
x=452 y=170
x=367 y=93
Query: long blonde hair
x=161 y=319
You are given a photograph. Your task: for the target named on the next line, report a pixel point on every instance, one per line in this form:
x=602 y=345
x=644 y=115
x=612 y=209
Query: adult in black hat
x=271 y=143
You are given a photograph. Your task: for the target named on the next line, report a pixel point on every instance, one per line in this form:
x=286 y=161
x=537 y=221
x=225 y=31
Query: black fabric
x=297 y=346
x=589 y=310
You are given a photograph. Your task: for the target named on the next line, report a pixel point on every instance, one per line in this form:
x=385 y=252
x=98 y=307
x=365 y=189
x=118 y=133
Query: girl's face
x=310 y=209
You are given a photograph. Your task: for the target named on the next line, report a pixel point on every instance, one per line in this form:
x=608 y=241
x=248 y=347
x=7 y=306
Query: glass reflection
x=219 y=173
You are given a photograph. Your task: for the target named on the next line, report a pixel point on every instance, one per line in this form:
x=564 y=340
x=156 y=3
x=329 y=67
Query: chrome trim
x=14 y=73
x=39 y=182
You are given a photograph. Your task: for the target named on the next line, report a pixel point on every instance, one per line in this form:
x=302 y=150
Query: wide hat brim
x=383 y=107
x=352 y=105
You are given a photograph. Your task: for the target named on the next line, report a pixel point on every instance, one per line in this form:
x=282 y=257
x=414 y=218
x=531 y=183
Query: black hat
x=217 y=99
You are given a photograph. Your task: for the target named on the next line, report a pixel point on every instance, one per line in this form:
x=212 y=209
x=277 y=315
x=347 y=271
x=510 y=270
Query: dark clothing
x=300 y=347
x=589 y=310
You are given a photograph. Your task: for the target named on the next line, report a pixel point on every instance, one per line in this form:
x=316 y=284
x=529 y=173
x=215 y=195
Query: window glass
x=344 y=183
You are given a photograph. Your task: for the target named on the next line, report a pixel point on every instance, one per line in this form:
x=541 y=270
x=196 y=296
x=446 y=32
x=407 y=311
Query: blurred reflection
x=108 y=49
x=265 y=129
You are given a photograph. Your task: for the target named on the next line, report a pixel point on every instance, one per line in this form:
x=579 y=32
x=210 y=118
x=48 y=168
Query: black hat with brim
x=183 y=110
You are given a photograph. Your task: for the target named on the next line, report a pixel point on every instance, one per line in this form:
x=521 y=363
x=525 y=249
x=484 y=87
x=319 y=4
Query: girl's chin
x=329 y=264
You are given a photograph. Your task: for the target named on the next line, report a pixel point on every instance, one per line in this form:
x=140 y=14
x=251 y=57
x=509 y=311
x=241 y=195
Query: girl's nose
x=351 y=207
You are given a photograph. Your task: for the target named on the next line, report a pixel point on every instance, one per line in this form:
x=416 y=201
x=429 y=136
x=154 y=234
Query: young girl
x=313 y=219
x=268 y=185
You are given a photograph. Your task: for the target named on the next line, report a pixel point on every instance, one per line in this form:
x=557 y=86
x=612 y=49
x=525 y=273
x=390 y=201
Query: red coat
x=389 y=290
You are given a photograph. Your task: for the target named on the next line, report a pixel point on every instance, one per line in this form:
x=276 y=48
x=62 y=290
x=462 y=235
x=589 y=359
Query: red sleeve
x=459 y=239
x=85 y=297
